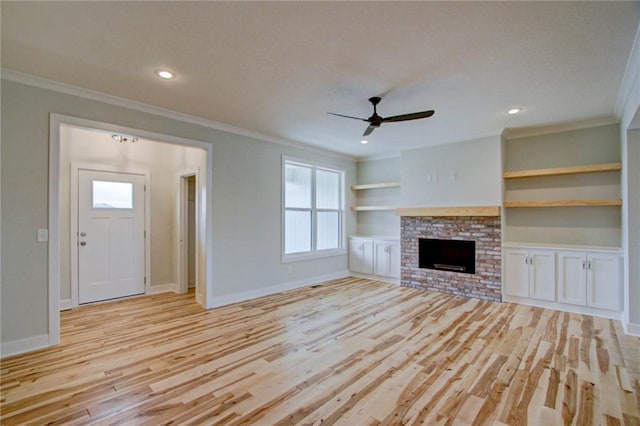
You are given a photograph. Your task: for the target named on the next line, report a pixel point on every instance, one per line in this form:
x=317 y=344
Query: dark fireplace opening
x=447 y=255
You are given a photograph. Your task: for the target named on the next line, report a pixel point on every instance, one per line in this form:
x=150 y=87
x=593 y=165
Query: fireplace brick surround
x=485 y=231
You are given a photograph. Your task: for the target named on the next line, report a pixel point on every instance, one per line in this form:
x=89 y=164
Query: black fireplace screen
x=447 y=255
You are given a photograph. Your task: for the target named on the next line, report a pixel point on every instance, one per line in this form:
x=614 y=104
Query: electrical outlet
x=43 y=235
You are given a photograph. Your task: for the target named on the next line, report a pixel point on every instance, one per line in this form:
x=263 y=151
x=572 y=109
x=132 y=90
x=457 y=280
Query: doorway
x=59 y=230
x=188 y=223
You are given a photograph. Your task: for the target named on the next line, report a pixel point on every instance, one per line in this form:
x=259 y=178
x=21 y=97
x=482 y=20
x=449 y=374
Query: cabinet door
x=381 y=258
x=387 y=259
x=603 y=281
x=361 y=256
x=516 y=282
x=572 y=278
x=367 y=257
x=394 y=259
x=356 y=256
x=542 y=275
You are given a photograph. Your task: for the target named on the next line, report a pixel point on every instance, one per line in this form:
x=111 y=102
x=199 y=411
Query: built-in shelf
x=371 y=208
x=565 y=203
x=376 y=186
x=450 y=211
x=593 y=168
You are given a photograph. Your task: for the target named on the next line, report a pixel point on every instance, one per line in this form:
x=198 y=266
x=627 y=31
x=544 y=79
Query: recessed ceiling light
x=166 y=74
x=364 y=141
x=513 y=111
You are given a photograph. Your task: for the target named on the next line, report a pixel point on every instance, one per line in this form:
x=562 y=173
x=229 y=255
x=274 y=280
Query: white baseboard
x=24 y=345
x=66 y=304
x=632 y=329
x=376 y=278
x=585 y=310
x=164 y=288
x=266 y=291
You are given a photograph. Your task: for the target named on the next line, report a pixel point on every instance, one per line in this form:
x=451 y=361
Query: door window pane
x=328 y=230
x=327 y=189
x=297 y=231
x=297 y=186
x=112 y=195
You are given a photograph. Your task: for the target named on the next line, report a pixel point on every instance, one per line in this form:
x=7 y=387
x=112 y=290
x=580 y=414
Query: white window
x=313 y=217
x=112 y=195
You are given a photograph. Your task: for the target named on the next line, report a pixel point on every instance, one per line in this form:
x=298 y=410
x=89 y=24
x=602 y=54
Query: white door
x=516 y=281
x=543 y=275
x=603 y=281
x=572 y=277
x=111 y=211
x=361 y=256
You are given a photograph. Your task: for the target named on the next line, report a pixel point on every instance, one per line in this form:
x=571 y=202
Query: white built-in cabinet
x=379 y=257
x=575 y=280
x=589 y=279
x=387 y=258
x=361 y=256
x=530 y=273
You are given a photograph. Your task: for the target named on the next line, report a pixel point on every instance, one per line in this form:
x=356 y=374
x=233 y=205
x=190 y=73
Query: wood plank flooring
x=348 y=352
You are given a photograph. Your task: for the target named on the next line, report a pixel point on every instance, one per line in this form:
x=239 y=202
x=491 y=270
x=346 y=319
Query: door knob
x=83 y=234
x=83 y=243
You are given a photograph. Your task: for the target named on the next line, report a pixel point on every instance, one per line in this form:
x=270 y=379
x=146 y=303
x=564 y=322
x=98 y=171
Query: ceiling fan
x=375 y=120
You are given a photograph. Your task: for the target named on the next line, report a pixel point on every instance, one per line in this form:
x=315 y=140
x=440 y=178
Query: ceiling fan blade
x=369 y=130
x=347 y=116
x=407 y=117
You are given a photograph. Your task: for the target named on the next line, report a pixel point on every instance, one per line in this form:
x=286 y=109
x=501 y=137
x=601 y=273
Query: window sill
x=298 y=257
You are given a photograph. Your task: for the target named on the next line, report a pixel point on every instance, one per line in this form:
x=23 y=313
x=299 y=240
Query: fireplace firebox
x=447 y=255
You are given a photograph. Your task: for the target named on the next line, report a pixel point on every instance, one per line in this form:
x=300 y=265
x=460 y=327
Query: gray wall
x=246 y=202
x=592 y=226
x=379 y=223
x=467 y=173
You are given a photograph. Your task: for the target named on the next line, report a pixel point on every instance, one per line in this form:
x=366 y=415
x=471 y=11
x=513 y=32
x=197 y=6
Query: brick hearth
x=485 y=231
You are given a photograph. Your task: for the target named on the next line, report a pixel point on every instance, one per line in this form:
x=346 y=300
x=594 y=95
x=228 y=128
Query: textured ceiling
x=278 y=68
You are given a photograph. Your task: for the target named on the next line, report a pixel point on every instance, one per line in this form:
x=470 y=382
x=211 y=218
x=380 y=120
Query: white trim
x=164 y=288
x=630 y=78
x=525 y=132
x=631 y=329
x=183 y=232
x=73 y=211
x=55 y=121
x=616 y=315
x=31 y=80
x=389 y=280
x=266 y=291
x=379 y=157
x=66 y=304
x=25 y=345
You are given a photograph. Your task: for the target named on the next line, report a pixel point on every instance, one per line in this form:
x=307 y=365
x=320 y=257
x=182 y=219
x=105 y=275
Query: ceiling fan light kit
x=376 y=120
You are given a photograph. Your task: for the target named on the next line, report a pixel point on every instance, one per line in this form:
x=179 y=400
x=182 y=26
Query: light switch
x=43 y=235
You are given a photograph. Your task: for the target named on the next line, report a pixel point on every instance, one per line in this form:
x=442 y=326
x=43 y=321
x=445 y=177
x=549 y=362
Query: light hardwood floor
x=349 y=352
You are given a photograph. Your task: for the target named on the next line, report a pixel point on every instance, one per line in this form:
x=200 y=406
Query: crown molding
x=379 y=157
x=67 y=89
x=630 y=78
x=525 y=132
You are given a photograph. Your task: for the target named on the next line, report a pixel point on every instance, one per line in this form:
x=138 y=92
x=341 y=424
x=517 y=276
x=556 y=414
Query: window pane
x=327 y=189
x=297 y=231
x=297 y=192
x=112 y=195
x=328 y=230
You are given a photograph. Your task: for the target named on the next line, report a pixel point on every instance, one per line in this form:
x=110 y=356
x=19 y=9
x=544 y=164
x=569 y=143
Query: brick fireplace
x=484 y=230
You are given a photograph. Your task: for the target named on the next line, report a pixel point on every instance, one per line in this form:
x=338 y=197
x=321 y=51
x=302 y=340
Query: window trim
x=314 y=253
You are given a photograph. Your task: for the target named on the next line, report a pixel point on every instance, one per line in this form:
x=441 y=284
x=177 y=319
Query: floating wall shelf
x=565 y=203
x=376 y=186
x=593 y=168
x=371 y=208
